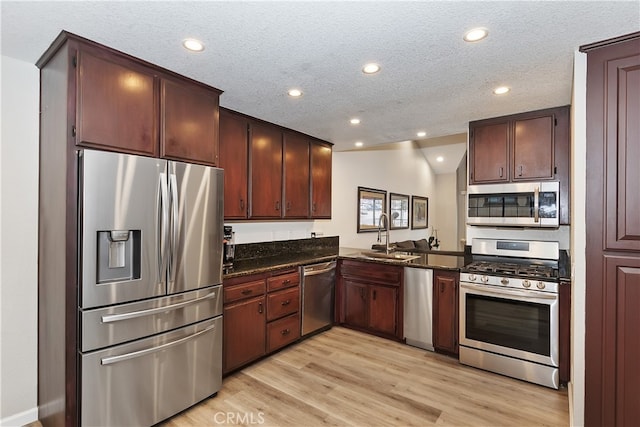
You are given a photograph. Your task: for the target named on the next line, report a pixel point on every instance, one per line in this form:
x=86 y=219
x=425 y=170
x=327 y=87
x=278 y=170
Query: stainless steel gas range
x=509 y=309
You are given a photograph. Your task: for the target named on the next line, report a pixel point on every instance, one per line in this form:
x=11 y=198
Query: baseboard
x=20 y=419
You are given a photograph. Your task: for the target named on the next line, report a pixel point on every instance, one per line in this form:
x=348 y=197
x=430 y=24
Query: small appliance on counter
x=228 y=249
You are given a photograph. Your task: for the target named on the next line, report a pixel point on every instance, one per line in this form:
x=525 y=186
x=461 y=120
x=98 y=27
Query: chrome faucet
x=386 y=230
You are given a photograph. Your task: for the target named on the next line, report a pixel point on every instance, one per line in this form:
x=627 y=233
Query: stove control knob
x=504 y=281
x=472 y=277
x=526 y=283
x=484 y=279
x=540 y=285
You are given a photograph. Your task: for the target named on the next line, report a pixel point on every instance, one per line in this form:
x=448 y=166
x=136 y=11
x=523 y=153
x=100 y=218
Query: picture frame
x=398 y=211
x=419 y=212
x=371 y=204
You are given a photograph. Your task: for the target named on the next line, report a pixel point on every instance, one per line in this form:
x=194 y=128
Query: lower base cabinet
x=445 y=311
x=369 y=297
x=261 y=315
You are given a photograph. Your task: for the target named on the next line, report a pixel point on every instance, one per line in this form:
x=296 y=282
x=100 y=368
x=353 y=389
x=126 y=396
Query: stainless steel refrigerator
x=150 y=300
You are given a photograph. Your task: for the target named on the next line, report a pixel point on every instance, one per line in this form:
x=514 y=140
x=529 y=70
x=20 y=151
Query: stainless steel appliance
x=418 y=307
x=526 y=204
x=509 y=309
x=229 y=249
x=151 y=295
x=318 y=296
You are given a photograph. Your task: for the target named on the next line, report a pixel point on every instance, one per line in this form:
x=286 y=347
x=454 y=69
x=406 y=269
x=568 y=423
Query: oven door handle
x=510 y=292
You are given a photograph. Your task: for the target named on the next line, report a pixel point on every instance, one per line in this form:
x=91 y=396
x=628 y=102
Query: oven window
x=514 y=324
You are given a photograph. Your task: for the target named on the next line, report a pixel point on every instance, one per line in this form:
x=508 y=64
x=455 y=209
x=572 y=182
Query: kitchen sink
x=393 y=256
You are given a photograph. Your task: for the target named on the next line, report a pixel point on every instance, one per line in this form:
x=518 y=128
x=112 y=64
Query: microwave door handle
x=536 y=205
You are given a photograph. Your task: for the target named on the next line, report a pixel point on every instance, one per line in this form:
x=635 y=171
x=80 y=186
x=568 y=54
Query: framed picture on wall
x=419 y=212
x=371 y=204
x=398 y=211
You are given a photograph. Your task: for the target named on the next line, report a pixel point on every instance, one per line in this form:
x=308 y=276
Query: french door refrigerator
x=150 y=299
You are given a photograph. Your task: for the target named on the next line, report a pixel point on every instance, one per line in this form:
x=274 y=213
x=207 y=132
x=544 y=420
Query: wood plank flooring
x=346 y=378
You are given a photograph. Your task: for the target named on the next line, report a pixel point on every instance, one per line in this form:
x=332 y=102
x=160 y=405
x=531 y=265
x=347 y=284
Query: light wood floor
x=346 y=378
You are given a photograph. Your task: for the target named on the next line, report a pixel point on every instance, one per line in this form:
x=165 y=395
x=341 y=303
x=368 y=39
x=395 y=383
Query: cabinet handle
x=362 y=293
x=247 y=291
x=260 y=307
x=278 y=206
x=500 y=172
x=441 y=287
x=241 y=204
x=288 y=206
x=314 y=208
x=287 y=302
x=286 y=282
x=374 y=295
x=285 y=331
x=520 y=170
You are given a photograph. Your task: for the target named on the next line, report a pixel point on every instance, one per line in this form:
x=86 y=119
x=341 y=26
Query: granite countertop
x=264 y=265
x=424 y=260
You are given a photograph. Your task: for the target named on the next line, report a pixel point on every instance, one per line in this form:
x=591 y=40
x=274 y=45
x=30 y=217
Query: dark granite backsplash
x=265 y=253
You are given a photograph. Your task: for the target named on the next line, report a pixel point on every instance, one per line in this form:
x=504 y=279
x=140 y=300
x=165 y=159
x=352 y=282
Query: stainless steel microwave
x=526 y=204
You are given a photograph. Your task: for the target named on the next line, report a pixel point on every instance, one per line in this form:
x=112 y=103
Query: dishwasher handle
x=315 y=269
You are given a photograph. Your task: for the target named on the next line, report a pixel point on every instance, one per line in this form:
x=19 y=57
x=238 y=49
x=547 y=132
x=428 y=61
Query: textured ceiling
x=430 y=79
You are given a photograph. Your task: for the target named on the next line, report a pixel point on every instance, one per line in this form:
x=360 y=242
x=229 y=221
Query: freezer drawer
x=146 y=381
x=113 y=325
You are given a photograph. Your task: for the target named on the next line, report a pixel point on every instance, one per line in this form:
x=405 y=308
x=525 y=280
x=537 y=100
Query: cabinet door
x=320 y=180
x=244 y=333
x=189 y=122
x=382 y=309
x=117 y=104
x=266 y=171
x=489 y=152
x=533 y=148
x=445 y=312
x=296 y=176
x=355 y=303
x=234 y=159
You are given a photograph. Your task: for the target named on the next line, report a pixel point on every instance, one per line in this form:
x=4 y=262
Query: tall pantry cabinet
x=612 y=342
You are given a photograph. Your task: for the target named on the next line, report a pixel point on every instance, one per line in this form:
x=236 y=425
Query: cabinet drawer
x=371 y=272
x=283 y=281
x=281 y=303
x=245 y=290
x=283 y=332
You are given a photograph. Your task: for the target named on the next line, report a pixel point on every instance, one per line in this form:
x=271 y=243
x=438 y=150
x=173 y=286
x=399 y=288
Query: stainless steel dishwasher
x=318 y=295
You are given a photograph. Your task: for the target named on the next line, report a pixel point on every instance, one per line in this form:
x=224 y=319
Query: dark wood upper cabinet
x=612 y=223
x=117 y=104
x=489 y=153
x=189 y=122
x=531 y=146
x=321 y=160
x=296 y=176
x=234 y=159
x=265 y=160
x=445 y=311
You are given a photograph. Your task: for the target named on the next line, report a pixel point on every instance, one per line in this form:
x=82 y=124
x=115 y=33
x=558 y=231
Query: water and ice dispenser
x=118 y=255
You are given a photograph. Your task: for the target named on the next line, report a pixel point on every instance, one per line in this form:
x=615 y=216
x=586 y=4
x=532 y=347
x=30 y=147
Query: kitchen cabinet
x=296 y=176
x=234 y=159
x=531 y=146
x=261 y=315
x=321 y=160
x=564 y=297
x=369 y=297
x=445 y=311
x=265 y=171
x=127 y=105
x=612 y=223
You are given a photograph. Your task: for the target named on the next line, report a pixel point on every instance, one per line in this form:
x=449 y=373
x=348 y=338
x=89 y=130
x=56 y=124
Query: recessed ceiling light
x=354 y=121
x=359 y=144
x=501 y=90
x=475 y=34
x=421 y=134
x=295 y=93
x=193 y=45
x=440 y=159
x=371 y=68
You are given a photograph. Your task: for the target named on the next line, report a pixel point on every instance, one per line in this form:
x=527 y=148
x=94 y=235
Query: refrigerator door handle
x=163 y=212
x=120 y=358
x=142 y=313
x=173 y=187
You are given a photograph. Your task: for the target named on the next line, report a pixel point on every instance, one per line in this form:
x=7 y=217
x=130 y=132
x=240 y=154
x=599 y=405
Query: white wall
x=578 y=236
x=19 y=242
x=445 y=206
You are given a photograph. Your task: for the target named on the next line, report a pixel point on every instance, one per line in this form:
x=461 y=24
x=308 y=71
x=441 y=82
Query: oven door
x=512 y=322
